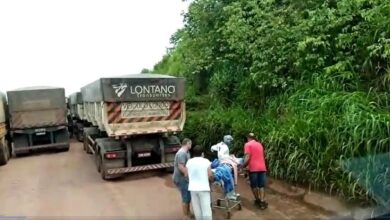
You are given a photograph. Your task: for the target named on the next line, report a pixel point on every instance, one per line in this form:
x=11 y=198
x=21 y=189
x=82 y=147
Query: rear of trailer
x=38 y=119
x=134 y=120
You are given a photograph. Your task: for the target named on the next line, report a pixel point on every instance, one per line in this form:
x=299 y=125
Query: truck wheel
x=84 y=144
x=86 y=147
x=13 y=154
x=62 y=137
x=8 y=149
x=102 y=167
x=98 y=161
x=19 y=154
x=19 y=141
x=103 y=170
x=79 y=136
x=4 y=153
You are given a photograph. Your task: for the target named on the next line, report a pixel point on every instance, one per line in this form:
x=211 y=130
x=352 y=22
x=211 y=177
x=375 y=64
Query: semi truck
x=4 y=147
x=134 y=122
x=77 y=117
x=38 y=119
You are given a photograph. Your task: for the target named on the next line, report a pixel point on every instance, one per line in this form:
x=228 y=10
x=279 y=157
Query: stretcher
x=219 y=200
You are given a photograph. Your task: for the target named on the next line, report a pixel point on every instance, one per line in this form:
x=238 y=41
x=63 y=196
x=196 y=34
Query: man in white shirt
x=223 y=147
x=199 y=176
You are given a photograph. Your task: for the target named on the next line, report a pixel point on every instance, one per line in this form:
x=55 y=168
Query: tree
x=145 y=70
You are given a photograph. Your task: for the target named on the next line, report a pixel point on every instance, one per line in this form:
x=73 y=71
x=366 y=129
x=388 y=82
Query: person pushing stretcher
x=253 y=161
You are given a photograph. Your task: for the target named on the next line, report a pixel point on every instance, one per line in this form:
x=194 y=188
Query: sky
x=70 y=43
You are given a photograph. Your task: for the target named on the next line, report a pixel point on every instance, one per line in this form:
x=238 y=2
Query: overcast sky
x=69 y=43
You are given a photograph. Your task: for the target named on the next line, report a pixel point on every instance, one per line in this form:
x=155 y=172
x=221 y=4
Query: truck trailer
x=4 y=147
x=38 y=119
x=78 y=120
x=134 y=121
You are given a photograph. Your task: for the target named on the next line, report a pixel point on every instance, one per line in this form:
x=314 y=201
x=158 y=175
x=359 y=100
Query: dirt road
x=67 y=184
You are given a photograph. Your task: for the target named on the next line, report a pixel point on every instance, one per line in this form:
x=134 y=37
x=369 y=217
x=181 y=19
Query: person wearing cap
x=223 y=147
x=254 y=159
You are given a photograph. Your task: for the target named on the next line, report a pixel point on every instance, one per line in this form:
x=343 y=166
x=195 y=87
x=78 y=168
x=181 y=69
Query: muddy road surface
x=67 y=184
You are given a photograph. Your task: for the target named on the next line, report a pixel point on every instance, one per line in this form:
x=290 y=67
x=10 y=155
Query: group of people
x=192 y=176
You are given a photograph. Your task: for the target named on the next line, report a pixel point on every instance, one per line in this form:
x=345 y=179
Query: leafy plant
x=311 y=78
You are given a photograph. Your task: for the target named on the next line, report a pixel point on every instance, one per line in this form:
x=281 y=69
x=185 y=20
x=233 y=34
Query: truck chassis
x=27 y=140
x=116 y=157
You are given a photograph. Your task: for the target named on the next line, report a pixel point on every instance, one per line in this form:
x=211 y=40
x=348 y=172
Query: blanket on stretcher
x=223 y=173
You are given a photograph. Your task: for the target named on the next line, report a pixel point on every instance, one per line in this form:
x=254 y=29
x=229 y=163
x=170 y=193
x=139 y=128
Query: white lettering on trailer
x=145 y=109
x=152 y=89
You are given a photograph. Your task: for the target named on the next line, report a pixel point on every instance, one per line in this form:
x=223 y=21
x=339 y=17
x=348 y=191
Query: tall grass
x=309 y=136
x=299 y=76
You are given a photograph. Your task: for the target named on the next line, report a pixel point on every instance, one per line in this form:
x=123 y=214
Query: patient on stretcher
x=225 y=171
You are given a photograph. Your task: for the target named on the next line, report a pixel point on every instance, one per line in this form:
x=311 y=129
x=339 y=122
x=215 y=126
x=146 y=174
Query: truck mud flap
x=139 y=168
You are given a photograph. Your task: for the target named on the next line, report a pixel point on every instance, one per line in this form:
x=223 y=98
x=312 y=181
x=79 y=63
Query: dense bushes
x=311 y=78
x=309 y=137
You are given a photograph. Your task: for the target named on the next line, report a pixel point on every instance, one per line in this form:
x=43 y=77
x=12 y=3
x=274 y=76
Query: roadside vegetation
x=310 y=78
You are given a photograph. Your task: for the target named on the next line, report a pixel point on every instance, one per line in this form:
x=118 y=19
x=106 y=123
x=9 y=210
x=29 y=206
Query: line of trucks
x=128 y=123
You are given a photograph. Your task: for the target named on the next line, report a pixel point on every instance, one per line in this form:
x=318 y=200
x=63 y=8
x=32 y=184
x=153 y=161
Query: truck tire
x=19 y=141
x=80 y=136
x=8 y=149
x=102 y=168
x=169 y=157
x=84 y=142
x=62 y=137
x=4 y=153
x=85 y=145
x=79 y=132
x=98 y=161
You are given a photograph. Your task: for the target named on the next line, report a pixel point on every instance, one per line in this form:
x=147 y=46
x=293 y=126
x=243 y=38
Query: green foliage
x=145 y=70
x=311 y=78
x=307 y=136
x=324 y=128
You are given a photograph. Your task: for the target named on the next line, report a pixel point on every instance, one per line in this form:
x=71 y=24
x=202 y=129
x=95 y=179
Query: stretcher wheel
x=239 y=207
x=228 y=215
